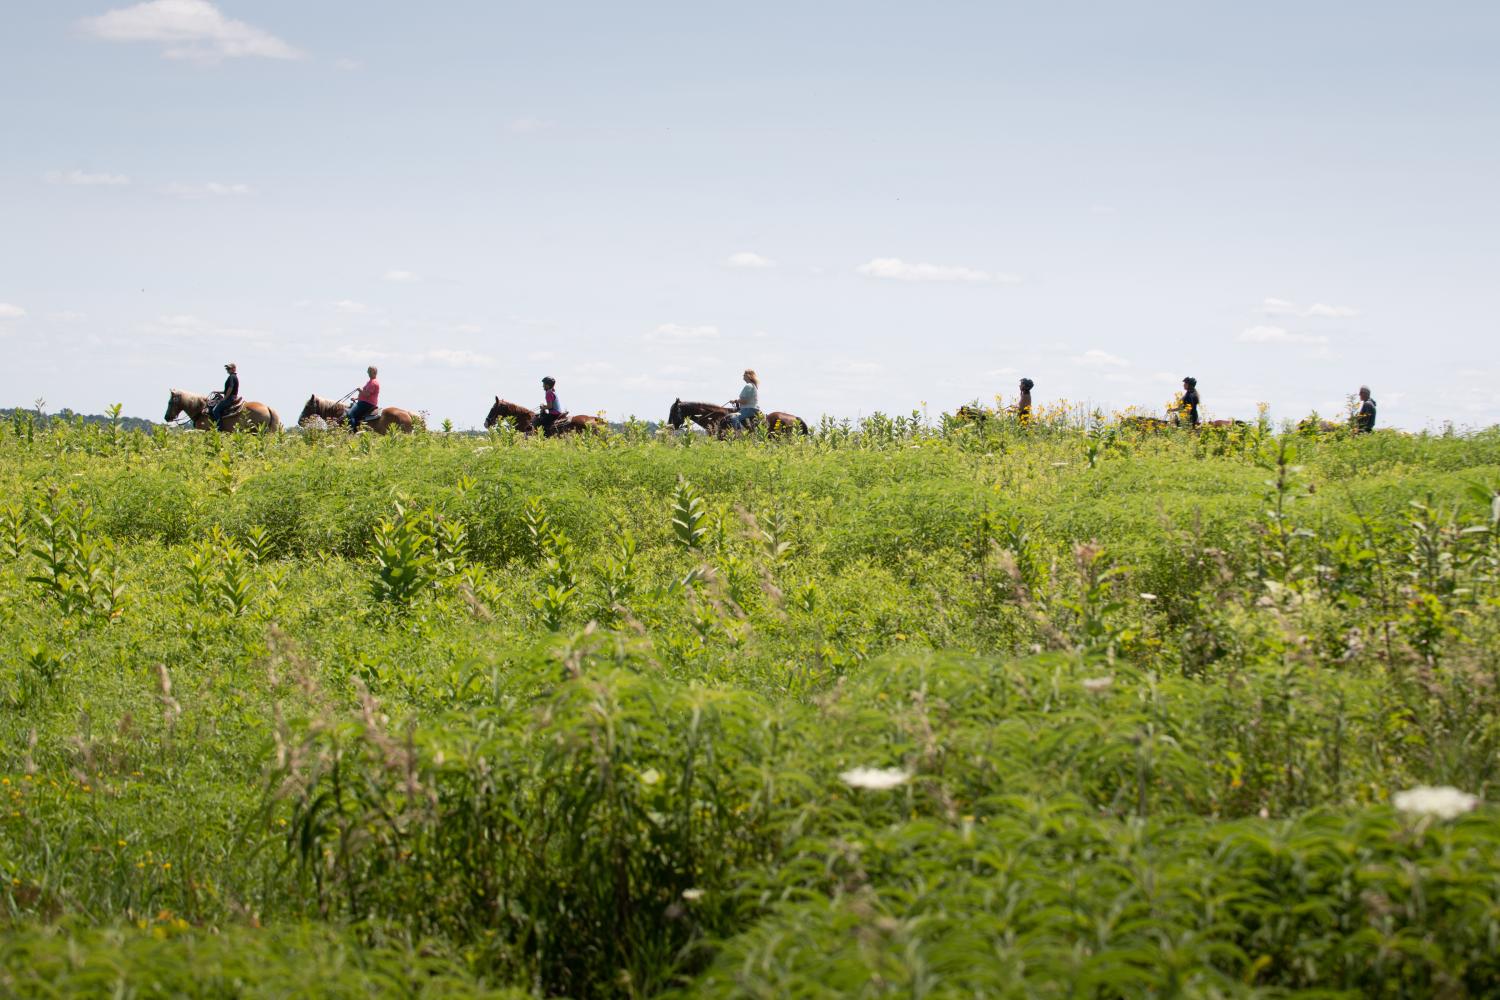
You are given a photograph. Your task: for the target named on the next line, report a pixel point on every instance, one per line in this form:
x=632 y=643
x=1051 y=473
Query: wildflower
x=1098 y=685
x=1148 y=597
x=650 y=776
x=692 y=895
x=1443 y=801
x=875 y=778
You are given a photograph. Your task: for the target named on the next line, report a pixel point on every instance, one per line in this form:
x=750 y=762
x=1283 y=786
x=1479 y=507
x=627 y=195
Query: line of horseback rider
x=739 y=414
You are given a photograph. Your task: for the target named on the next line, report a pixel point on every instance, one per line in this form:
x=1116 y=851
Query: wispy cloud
x=747 y=259
x=193 y=30
x=526 y=125
x=676 y=333
x=1278 y=335
x=1318 y=310
x=436 y=357
x=8 y=311
x=82 y=178
x=1096 y=358
x=896 y=269
x=212 y=189
x=351 y=308
x=347 y=65
x=401 y=277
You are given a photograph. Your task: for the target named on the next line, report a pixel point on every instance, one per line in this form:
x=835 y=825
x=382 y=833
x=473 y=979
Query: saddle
x=553 y=426
x=230 y=411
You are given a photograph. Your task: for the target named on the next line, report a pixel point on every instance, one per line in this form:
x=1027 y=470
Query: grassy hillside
x=891 y=710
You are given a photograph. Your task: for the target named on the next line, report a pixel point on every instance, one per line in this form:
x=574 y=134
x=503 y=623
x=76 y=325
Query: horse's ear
x=497 y=400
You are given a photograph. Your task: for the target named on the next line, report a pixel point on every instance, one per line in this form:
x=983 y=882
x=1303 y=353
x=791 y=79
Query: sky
x=877 y=206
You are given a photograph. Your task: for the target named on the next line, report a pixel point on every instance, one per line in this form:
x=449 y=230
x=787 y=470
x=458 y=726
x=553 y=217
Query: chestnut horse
x=715 y=418
x=526 y=422
x=250 y=416
x=335 y=411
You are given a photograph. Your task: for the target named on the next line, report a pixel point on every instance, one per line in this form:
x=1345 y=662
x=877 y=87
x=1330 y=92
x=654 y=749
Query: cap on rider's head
x=231 y=366
x=549 y=380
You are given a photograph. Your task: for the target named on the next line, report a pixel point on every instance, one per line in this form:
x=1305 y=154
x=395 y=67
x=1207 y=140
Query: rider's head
x=373 y=371
x=549 y=381
x=1026 y=384
x=750 y=376
x=231 y=367
x=1189 y=382
x=1364 y=392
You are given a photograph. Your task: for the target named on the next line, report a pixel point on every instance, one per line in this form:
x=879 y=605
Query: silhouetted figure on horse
x=525 y=419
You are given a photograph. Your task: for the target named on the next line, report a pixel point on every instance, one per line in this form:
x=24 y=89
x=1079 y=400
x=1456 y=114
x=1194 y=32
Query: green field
x=455 y=715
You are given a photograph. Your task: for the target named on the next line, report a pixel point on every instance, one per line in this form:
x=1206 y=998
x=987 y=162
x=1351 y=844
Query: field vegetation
x=904 y=708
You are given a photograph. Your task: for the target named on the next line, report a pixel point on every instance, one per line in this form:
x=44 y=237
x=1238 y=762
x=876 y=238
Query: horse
x=1141 y=423
x=526 y=420
x=334 y=411
x=1312 y=426
x=249 y=415
x=715 y=418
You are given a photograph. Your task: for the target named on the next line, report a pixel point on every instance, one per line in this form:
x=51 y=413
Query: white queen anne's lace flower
x=1098 y=685
x=1442 y=801
x=876 y=778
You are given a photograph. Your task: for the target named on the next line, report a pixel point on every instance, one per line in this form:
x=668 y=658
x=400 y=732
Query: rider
x=1190 y=401
x=368 y=400
x=231 y=394
x=1023 y=406
x=747 y=405
x=551 y=409
x=1364 y=417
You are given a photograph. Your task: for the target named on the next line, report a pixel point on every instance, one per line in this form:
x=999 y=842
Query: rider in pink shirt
x=368 y=401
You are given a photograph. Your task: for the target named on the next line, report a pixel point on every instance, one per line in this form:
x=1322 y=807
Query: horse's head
x=494 y=414
x=309 y=410
x=174 y=406
x=674 y=416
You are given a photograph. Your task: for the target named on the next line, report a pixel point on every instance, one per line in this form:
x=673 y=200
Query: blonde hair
x=750 y=376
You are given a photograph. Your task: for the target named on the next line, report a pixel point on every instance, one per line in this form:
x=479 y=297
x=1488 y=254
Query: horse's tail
x=802 y=426
x=273 y=421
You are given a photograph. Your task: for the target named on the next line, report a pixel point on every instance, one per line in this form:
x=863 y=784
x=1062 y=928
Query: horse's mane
x=515 y=409
x=685 y=403
x=189 y=398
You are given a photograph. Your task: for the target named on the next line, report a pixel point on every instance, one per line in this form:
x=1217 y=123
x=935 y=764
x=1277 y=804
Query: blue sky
x=873 y=204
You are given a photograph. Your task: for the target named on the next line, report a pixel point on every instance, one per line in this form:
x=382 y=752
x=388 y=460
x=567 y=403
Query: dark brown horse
x=250 y=416
x=715 y=418
x=526 y=420
x=335 y=412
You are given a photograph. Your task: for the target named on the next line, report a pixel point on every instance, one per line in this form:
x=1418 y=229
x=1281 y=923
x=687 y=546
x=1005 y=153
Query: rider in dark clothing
x=1189 y=404
x=1364 y=417
x=551 y=409
x=231 y=394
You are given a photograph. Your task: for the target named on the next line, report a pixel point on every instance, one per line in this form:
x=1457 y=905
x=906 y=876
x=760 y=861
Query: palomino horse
x=249 y=416
x=526 y=421
x=715 y=418
x=334 y=412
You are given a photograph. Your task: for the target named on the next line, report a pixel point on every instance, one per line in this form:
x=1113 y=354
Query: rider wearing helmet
x=747 y=404
x=368 y=400
x=551 y=409
x=1189 y=405
x=231 y=395
x=1023 y=405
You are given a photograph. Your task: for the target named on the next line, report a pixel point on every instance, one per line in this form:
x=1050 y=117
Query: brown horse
x=335 y=412
x=715 y=418
x=526 y=420
x=249 y=416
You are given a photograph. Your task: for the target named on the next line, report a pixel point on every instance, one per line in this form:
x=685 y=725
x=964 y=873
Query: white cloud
x=67 y=316
x=445 y=357
x=895 y=269
x=1318 y=310
x=1278 y=335
x=194 y=30
x=541 y=356
x=347 y=65
x=848 y=366
x=454 y=358
x=527 y=125
x=1001 y=372
x=1096 y=358
x=468 y=328
x=351 y=308
x=212 y=189
x=749 y=260
x=676 y=333
x=401 y=277
x=8 y=311
x=83 y=179
x=1331 y=312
